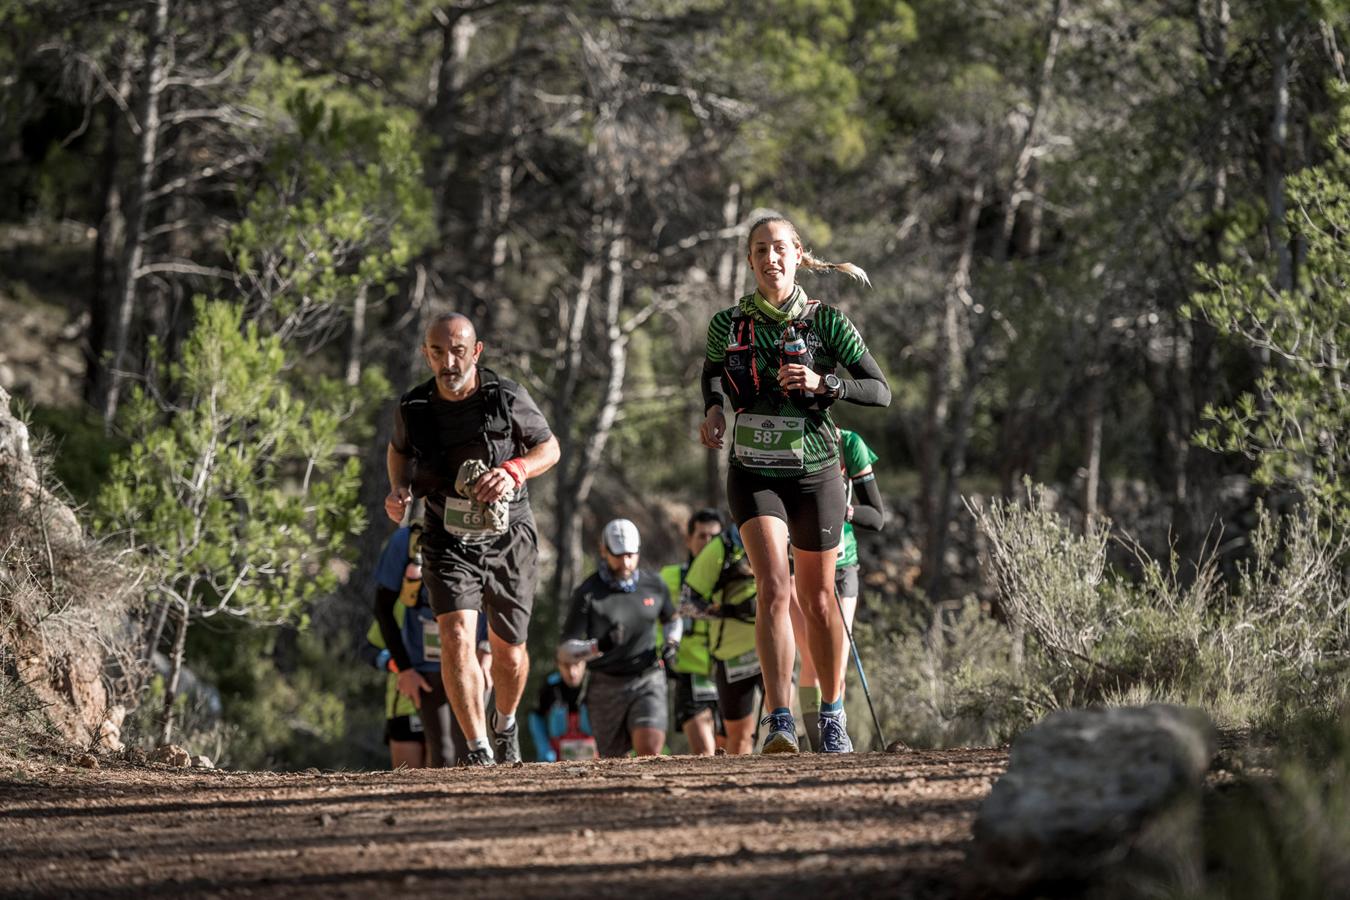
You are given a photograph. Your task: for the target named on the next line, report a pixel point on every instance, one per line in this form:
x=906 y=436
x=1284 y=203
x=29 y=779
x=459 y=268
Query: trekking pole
x=862 y=677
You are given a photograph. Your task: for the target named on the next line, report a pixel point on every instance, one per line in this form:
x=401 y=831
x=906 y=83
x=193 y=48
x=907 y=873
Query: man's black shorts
x=687 y=706
x=813 y=505
x=496 y=576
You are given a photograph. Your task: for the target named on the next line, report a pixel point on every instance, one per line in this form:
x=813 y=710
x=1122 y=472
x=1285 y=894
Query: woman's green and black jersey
x=833 y=341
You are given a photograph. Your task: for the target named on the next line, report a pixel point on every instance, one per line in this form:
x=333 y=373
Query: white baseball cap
x=621 y=536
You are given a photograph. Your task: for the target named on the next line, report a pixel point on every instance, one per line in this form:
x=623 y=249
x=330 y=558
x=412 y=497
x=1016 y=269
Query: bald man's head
x=451 y=349
x=457 y=323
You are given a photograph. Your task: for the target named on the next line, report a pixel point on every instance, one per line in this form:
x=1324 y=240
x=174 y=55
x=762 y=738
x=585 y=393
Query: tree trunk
x=1092 y=485
x=175 y=670
x=356 y=349
x=448 y=83
x=563 y=420
x=157 y=630
x=110 y=230
x=1026 y=155
x=959 y=429
x=574 y=489
x=152 y=87
x=715 y=461
x=944 y=381
x=1212 y=25
x=1277 y=160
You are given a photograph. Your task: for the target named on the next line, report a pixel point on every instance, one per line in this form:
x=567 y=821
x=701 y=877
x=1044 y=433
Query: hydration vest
x=740 y=375
x=434 y=472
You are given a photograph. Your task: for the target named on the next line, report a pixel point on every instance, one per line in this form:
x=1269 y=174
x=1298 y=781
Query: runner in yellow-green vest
x=771 y=359
x=719 y=588
x=696 y=712
x=402 y=726
x=864 y=510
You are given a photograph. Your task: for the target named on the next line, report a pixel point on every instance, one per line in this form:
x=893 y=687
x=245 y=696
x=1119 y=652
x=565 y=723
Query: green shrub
x=1288 y=835
x=1079 y=633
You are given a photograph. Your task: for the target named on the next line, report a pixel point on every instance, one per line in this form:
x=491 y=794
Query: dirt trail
x=862 y=825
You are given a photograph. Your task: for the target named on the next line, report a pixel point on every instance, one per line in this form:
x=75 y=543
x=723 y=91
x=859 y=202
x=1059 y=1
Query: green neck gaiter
x=789 y=310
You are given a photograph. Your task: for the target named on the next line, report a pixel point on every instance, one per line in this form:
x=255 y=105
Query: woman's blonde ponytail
x=848 y=268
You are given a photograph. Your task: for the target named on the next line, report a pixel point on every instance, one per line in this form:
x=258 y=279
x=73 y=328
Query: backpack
x=730 y=594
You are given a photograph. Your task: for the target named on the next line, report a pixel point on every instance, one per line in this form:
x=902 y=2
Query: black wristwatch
x=832 y=385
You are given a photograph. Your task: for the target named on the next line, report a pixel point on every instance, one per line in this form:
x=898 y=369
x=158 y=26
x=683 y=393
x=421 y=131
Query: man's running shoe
x=782 y=736
x=506 y=744
x=834 y=734
x=481 y=757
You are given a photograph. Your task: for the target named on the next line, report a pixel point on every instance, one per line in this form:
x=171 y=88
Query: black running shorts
x=689 y=704
x=496 y=576
x=813 y=505
x=736 y=699
x=404 y=729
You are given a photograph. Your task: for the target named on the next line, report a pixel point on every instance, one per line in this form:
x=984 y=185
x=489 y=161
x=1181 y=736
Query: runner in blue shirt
x=414 y=645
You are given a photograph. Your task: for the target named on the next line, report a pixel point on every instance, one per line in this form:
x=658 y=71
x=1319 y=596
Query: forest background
x=1106 y=242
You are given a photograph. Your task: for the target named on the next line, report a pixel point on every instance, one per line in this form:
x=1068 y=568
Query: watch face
x=832 y=382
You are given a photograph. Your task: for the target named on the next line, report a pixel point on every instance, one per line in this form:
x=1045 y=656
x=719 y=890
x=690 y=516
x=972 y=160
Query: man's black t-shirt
x=458 y=426
x=597 y=608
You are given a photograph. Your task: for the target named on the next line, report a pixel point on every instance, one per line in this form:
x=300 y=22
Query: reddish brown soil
x=810 y=826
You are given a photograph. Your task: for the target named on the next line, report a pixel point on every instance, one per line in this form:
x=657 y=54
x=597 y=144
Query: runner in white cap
x=611 y=625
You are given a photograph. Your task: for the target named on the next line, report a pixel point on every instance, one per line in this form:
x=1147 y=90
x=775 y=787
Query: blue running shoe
x=834 y=734
x=782 y=734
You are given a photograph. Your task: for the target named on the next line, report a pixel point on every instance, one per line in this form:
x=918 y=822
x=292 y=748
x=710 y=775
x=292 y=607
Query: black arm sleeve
x=868 y=511
x=577 y=624
x=711 y=396
x=393 y=637
x=868 y=387
x=368 y=653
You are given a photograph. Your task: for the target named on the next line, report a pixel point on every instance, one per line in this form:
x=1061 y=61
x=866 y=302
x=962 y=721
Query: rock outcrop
x=61 y=604
x=1096 y=803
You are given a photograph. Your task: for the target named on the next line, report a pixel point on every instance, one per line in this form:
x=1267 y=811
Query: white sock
x=481 y=743
x=503 y=723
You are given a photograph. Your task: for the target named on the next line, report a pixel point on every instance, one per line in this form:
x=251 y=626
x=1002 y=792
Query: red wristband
x=392 y=666
x=516 y=469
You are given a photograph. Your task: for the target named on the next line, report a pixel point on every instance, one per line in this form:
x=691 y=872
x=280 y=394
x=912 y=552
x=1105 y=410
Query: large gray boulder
x=1099 y=802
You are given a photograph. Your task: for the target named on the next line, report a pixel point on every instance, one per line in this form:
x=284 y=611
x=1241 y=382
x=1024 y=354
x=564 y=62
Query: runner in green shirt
x=695 y=702
x=864 y=510
x=771 y=358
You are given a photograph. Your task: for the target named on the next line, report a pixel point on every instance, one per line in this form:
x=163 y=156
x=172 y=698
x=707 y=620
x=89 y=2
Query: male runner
x=468 y=440
x=610 y=625
x=695 y=691
x=560 y=722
